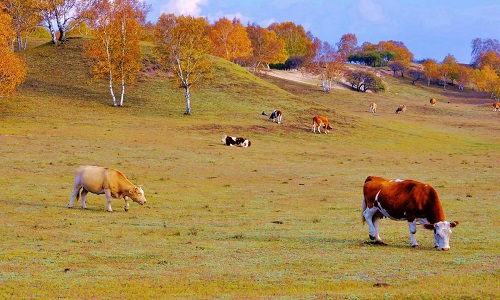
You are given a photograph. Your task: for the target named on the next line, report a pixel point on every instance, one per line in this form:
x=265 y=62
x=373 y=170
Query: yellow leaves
x=230 y=40
x=182 y=45
x=267 y=47
x=12 y=68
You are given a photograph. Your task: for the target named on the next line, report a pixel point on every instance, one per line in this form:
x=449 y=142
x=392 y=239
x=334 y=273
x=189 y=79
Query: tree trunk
x=188 y=101
x=123 y=91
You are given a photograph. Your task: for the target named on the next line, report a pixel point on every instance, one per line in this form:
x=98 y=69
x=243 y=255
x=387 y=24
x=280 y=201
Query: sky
x=429 y=28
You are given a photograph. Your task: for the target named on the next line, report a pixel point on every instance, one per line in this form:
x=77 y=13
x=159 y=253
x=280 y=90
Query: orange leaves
x=12 y=68
x=267 y=47
x=230 y=40
x=182 y=46
x=115 y=44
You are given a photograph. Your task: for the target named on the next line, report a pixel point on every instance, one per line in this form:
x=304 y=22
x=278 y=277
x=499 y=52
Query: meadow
x=278 y=220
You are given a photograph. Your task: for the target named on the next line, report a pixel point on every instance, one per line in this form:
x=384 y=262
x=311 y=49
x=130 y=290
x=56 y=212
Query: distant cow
x=276 y=115
x=496 y=106
x=432 y=101
x=236 y=141
x=373 y=107
x=111 y=182
x=401 y=109
x=319 y=121
x=408 y=200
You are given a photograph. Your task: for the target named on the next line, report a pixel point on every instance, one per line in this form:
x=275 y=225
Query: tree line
x=185 y=46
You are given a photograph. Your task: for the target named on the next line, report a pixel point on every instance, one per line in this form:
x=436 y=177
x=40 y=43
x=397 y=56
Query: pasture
x=278 y=220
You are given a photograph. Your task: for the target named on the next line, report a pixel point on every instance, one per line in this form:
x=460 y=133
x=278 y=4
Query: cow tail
x=363 y=208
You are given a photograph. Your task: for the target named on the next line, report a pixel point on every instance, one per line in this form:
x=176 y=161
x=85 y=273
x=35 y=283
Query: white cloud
x=243 y=19
x=184 y=7
x=372 y=11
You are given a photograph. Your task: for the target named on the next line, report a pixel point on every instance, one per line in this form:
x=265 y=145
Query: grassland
x=278 y=220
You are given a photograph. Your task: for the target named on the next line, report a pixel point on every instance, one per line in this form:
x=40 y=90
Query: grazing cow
x=318 y=121
x=401 y=109
x=373 y=107
x=432 y=101
x=276 y=115
x=496 y=106
x=408 y=200
x=236 y=141
x=111 y=182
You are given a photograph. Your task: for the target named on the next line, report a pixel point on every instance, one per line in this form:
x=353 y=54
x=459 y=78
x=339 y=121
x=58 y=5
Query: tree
x=347 y=45
x=230 y=40
x=328 y=65
x=464 y=75
x=416 y=74
x=267 y=47
x=297 y=41
x=430 y=70
x=115 y=44
x=25 y=19
x=67 y=14
x=487 y=80
x=12 y=68
x=402 y=55
x=452 y=64
x=362 y=81
x=182 y=46
x=490 y=58
x=481 y=46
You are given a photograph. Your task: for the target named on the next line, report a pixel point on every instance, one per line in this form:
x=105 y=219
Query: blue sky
x=429 y=28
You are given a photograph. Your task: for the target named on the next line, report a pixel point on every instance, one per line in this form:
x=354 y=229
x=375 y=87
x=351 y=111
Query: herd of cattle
x=409 y=200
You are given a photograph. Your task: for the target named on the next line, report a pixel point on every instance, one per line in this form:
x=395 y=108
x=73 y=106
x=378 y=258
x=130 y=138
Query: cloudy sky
x=429 y=28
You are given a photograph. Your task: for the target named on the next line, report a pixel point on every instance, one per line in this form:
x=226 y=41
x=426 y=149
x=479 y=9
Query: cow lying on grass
x=236 y=141
x=106 y=181
x=408 y=200
x=401 y=109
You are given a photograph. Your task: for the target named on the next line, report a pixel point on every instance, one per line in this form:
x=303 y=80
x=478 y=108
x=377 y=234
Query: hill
x=280 y=219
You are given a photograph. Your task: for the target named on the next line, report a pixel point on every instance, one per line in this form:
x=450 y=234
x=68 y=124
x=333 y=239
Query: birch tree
x=182 y=46
x=115 y=45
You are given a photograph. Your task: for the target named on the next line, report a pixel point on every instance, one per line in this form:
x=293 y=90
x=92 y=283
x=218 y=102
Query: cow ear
x=454 y=223
x=429 y=226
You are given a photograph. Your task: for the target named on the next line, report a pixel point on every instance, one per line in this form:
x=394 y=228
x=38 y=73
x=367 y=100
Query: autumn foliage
x=115 y=44
x=230 y=40
x=12 y=68
x=182 y=47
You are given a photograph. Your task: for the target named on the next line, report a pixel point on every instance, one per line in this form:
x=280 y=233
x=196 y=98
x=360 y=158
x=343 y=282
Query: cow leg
x=74 y=194
x=126 y=203
x=412 y=226
x=84 y=195
x=108 y=199
x=373 y=222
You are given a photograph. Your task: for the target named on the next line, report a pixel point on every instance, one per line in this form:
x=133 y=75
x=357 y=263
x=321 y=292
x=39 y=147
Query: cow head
x=137 y=195
x=442 y=233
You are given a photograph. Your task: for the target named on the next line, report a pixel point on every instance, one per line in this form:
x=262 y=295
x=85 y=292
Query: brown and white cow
x=496 y=106
x=373 y=107
x=236 y=141
x=319 y=121
x=432 y=101
x=111 y=182
x=408 y=200
x=276 y=116
x=401 y=109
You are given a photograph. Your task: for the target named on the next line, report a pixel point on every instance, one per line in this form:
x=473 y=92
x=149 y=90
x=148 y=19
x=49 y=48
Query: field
x=278 y=220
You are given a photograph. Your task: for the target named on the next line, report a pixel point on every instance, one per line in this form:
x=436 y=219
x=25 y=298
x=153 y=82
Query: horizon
x=448 y=26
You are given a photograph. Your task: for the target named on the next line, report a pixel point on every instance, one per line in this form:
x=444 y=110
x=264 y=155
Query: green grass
x=280 y=219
